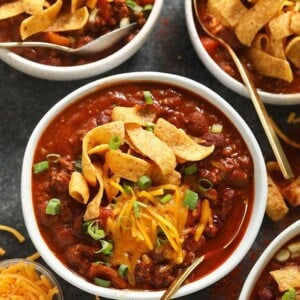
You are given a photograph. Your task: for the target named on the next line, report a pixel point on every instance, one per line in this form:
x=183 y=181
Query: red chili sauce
x=224 y=60
x=266 y=287
x=229 y=168
x=106 y=19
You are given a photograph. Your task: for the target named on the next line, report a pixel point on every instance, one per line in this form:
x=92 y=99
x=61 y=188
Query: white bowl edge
x=70 y=276
x=222 y=76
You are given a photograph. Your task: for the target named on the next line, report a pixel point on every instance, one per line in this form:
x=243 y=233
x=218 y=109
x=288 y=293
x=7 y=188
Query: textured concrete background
x=24 y=100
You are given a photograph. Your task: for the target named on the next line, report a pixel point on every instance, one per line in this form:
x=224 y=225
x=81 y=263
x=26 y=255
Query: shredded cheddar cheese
x=2 y=252
x=14 y=232
x=206 y=217
x=33 y=256
x=135 y=234
x=22 y=281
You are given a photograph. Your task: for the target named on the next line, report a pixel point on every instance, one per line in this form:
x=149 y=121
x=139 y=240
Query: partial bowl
x=76 y=72
x=173 y=86
x=11 y=266
x=273 y=248
x=221 y=75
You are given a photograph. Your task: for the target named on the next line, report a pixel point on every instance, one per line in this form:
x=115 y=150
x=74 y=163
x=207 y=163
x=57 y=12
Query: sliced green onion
x=102 y=282
x=127 y=186
x=107 y=248
x=78 y=165
x=150 y=126
x=41 y=166
x=190 y=170
x=148 y=97
x=123 y=270
x=53 y=207
x=147 y=7
x=53 y=157
x=114 y=143
x=136 y=209
x=134 y=6
x=93 y=230
x=166 y=198
x=290 y=294
x=144 y=182
x=204 y=185
x=124 y=22
x=216 y=128
x=190 y=199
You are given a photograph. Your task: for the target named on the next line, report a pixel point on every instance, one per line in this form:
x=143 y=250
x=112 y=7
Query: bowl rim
x=39 y=268
x=63 y=73
x=260 y=192
x=280 y=240
x=222 y=76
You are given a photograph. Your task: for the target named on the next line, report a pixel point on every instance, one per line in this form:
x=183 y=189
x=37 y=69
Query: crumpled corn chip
x=127 y=166
x=132 y=115
x=33 y=7
x=293 y=51
x=40 y=22
x=11 y=9
x=97 y=136
x=75 y=4
x=78 y=188
x=70 y=21
x=152 y=147
x=183 y=146
x=93 y=207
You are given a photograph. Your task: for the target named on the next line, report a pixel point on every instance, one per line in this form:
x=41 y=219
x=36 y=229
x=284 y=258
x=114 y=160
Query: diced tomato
x=56 y=38
x=209 y=44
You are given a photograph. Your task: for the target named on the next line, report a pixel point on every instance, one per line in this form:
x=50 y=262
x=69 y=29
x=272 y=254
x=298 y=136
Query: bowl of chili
x=275 y=275
x=121 y=215
x=76 y=24
x=272 y=90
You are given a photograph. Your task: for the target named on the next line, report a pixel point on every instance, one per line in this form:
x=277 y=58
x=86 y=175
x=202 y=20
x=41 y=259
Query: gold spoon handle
x=263 y=116
x=180 y=279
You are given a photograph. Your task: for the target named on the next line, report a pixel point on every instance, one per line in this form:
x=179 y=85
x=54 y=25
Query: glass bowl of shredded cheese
x=28 y=279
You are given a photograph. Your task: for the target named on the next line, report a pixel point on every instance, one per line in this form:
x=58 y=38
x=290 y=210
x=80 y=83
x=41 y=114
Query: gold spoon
x=256 y=100
x=99 y=44
x=175 y=285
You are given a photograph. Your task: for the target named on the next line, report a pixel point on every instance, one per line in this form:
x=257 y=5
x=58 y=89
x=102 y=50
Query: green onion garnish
x=148 y=97
x=190 y=199
x=53 y=157
x=166 y=198
x=78 y=165
x=204 y=185
x=134 y=6
x=41 y=166
x=107 y=248
x=53 y=207
x=147 y=7
x=93 y=230
x=150 y=126
x=144 y=182
x=290 y=294
x=114 y=143
x=102 y=282
x=123 y=269
x=127 y=186
x=216 y=128
x=136 y=209
x=190 y=170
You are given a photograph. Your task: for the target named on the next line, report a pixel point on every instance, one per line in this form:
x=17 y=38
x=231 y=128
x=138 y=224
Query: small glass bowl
x=41 y=270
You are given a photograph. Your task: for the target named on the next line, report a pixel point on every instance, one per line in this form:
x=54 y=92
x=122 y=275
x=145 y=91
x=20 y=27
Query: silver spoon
x=256 y=100
x=99 y=44
x=176 y=284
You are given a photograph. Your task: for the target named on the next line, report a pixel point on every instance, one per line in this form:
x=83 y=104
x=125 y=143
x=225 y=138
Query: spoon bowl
x=256 y=100
x=101 y=43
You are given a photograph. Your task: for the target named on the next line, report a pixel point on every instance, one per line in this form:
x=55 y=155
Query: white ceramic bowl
x=286 y=235
x=222 y=76
x=86 y=70
x=40 y=270
x=156 y=77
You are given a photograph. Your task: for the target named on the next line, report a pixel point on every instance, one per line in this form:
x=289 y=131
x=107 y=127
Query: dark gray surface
x=24 y=100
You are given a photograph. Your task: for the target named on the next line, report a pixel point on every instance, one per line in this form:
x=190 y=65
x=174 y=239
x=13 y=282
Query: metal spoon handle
x=34 y=44
x=180 y=279
x=263 y=116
